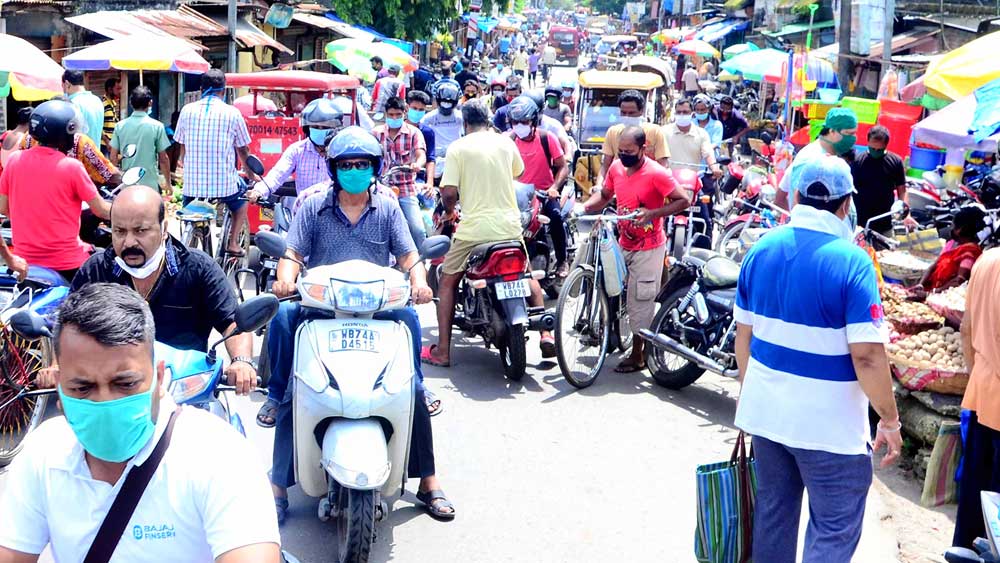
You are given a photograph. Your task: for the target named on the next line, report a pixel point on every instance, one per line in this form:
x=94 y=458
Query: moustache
x=133 y=252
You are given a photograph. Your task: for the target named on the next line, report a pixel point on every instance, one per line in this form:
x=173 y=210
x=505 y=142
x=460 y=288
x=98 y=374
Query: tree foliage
x=403 y=19
x=606 y=6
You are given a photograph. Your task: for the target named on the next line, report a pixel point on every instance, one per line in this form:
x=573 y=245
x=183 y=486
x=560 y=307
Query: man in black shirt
x=734 y=125
x=186 y=289
x=879 y=179
x=466 y=74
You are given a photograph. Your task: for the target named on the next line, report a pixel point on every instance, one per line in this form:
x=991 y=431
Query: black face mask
x=628 y=160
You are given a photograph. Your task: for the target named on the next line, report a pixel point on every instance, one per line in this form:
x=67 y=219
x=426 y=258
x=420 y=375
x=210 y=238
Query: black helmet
x=447 y=92
x=522 y=108
x=54 y=124
x=536 y=95
x=553 y=90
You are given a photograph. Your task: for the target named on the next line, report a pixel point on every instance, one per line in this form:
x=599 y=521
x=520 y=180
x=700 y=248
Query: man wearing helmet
x=446 y=123
x=387 y=87
x=351 y=221
x=556 y=109
x=320 y=119
x=501 y=120
x=42 y=190
x=544 y=167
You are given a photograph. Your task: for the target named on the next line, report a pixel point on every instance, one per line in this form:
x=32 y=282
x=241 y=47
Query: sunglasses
x=361 y=165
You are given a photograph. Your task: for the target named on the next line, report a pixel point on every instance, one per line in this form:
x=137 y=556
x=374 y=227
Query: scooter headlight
x=187 y=388
x=367 y=297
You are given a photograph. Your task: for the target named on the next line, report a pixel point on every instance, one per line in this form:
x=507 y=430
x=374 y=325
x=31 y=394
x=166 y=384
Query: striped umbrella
x=697 y=48
x=354 y=55
x=139 y=52
x=738 y=49
x=26 y=72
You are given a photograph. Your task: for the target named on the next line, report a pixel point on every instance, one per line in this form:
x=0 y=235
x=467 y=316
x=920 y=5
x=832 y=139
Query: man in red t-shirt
x=42 y=191
x=544 y=167
x=640 y=184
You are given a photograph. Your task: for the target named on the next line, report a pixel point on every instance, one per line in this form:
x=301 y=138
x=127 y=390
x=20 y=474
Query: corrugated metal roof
x=184 y=22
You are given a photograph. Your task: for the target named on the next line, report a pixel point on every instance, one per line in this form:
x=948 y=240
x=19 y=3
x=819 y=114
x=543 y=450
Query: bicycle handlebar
x=603 y=217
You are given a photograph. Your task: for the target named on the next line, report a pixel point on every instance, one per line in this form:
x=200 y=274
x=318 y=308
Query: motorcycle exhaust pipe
x=664 y=342
x=542 y=321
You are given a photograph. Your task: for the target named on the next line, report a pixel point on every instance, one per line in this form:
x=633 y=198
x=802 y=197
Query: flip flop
x=435 y=508
x=628 y=367
x=548 y=346
x=431 y=399
x=427 y=357
x=268 y=410
x=281 y=508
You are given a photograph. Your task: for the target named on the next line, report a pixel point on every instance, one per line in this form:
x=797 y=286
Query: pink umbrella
x=245 y=105
x=913 y=91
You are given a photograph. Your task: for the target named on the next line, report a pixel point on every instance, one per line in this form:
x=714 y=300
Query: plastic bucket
x=829 y=95
x=925 y=159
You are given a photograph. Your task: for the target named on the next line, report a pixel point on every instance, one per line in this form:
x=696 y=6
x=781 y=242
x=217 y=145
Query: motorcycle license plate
x=270 y=264
x=354 y=339
x=513 y=289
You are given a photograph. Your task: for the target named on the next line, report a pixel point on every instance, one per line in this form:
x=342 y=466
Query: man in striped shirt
x=112 y=93
x=810 y=347
x=211 y=134
x=403 y=146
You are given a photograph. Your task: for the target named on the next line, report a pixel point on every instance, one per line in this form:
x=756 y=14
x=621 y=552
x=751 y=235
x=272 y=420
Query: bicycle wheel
x=20 y=361
x=623 y=328
x=230 y=263
x=583 y=328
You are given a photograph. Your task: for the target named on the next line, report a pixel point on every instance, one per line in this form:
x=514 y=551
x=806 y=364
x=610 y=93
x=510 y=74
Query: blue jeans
x=414 y=218
x=280 y=349
x=838 y=488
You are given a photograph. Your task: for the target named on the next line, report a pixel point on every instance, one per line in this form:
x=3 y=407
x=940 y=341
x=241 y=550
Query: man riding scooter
x=306 y=159
x=353 y=220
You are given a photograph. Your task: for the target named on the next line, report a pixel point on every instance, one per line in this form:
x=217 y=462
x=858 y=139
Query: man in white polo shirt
x=208 y=499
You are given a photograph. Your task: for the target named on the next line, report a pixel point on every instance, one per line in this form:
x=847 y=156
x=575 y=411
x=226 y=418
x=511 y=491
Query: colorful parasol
x=738 y=49
x=26 y=72
x=354 y=56
x=757 y=64
x=697 y=48
x=673 y=35
x=964 y=69
x=139 y=52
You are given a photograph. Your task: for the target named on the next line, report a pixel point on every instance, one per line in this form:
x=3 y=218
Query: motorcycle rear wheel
x=355 y=525
x=677 y=248
x=669 y=370
x=513 y=353
x=579 y=333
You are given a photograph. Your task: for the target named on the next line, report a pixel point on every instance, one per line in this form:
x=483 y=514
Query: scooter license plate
x=354 y=339
x=513 y=289
x=270 y=264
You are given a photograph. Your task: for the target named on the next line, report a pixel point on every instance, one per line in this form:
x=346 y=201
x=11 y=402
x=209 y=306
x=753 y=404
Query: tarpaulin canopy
x=738 y=49
x=713 y=32
x=966 y=68
x=949 y=128
x=755 y=65
x=986 y=120
x=405 y=46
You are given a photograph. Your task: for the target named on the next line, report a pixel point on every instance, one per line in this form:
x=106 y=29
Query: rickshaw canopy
x=293 y=80
x=620 y=39
x=620 y=80
x=658 y=65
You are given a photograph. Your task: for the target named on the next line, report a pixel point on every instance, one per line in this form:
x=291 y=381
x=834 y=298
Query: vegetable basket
x=918 y=378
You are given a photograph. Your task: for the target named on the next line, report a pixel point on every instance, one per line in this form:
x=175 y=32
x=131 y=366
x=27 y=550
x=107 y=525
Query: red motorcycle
x=689 y=228
x=541 y=249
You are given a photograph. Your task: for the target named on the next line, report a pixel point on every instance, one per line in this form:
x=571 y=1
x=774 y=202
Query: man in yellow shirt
x=481 y=166
x=631 y=108
x=521 y=63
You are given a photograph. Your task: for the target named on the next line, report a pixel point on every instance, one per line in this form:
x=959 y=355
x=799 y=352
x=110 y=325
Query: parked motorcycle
x=541 y=250
x=353 y=395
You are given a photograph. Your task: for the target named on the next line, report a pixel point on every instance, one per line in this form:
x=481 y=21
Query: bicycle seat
x=721 y=272
x=196 y=210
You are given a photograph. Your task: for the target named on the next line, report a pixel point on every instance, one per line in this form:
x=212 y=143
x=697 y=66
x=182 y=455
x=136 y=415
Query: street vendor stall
x=26 y=72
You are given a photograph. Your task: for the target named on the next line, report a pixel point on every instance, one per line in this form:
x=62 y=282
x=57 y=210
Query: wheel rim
x=663 y=359
x=731 y=246
x=20 y=360
x=343 y=527
x=582 y=325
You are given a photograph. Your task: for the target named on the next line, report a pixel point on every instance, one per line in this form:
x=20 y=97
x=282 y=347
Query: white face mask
x=683 y=120
x=522 y=131
x=147 y=269
x=629 y=121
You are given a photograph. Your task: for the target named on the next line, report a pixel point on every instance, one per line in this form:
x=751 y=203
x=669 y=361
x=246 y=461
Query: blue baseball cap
x=824 y=178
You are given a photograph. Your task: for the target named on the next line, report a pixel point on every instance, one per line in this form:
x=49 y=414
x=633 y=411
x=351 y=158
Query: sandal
x=268 y=410
x=548 y=346
x=435 y=502
x=628 y=366
x=433 y=403
x=427 y=357
x=281 y=508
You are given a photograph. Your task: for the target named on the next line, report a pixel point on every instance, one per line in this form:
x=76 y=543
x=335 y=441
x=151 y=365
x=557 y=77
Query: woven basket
x=928 y=379
x=907 y=276
x=906 y=325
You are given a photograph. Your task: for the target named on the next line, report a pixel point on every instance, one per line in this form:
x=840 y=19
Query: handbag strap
x=127 y=499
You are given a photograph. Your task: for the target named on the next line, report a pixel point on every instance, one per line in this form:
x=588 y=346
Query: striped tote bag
x=725 y=497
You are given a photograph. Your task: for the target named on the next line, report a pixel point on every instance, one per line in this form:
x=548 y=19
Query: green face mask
x=355 y=181
x=111 y=430
x=552 y=102
x=845 y=144
x=876 y=153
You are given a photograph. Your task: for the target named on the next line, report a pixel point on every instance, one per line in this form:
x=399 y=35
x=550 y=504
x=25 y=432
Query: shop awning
x=713 y=32
x=337 y=27
x=363 y=32
x=796 y=28
x=905 y=42
x=184 y=22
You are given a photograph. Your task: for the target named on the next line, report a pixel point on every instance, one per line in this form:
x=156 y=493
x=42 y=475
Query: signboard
x=635 y=11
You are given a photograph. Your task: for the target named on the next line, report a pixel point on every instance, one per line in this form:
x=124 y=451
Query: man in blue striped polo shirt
x=810 y=346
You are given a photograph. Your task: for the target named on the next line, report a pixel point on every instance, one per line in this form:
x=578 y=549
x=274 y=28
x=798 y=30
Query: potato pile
x=911 y=312
x=932 y=349
x=952 y=298
x=903 y=260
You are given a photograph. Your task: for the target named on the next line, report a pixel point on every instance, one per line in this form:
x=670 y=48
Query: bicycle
x=600 y=315
x=196 y=231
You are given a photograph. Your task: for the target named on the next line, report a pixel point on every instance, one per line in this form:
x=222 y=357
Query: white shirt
x=209 y=495
x=447 y=130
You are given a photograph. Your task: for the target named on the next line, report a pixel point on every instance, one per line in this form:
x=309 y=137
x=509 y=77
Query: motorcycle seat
x=481 y=252
x=721 y=272
x=703 y=254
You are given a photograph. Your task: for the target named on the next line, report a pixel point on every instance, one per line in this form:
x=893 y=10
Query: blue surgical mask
x=355 y=181
x=318 y=136
x=394 y=123
x=701 y=116
x=415 y=115
x=111 y=430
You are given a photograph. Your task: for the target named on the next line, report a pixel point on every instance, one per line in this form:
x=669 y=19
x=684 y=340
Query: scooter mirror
x=133 y=176
x=254 y=164
x=129 y=150
x=270 y=243
x=435 y=247
x=30 y=325
x=961 y=555
x=900 y=209
x=256 y=312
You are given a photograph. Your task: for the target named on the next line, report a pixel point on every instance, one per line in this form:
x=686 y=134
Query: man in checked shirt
x=403 y=145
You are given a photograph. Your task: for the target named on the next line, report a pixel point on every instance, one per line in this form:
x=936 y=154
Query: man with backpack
x=544 y=166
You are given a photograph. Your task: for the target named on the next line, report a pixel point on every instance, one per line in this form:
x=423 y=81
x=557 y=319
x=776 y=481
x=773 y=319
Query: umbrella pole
x=140 y=77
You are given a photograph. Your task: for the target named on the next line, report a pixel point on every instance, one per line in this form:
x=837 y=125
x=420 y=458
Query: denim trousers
x=280 y=347
x=410 y=206
x=980 y=472
x=838 y=488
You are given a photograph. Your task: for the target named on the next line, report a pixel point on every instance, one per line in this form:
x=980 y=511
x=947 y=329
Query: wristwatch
x=246 y=360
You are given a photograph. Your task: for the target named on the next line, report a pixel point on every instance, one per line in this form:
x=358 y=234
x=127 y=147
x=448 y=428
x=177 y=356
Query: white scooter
x=353 y=391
